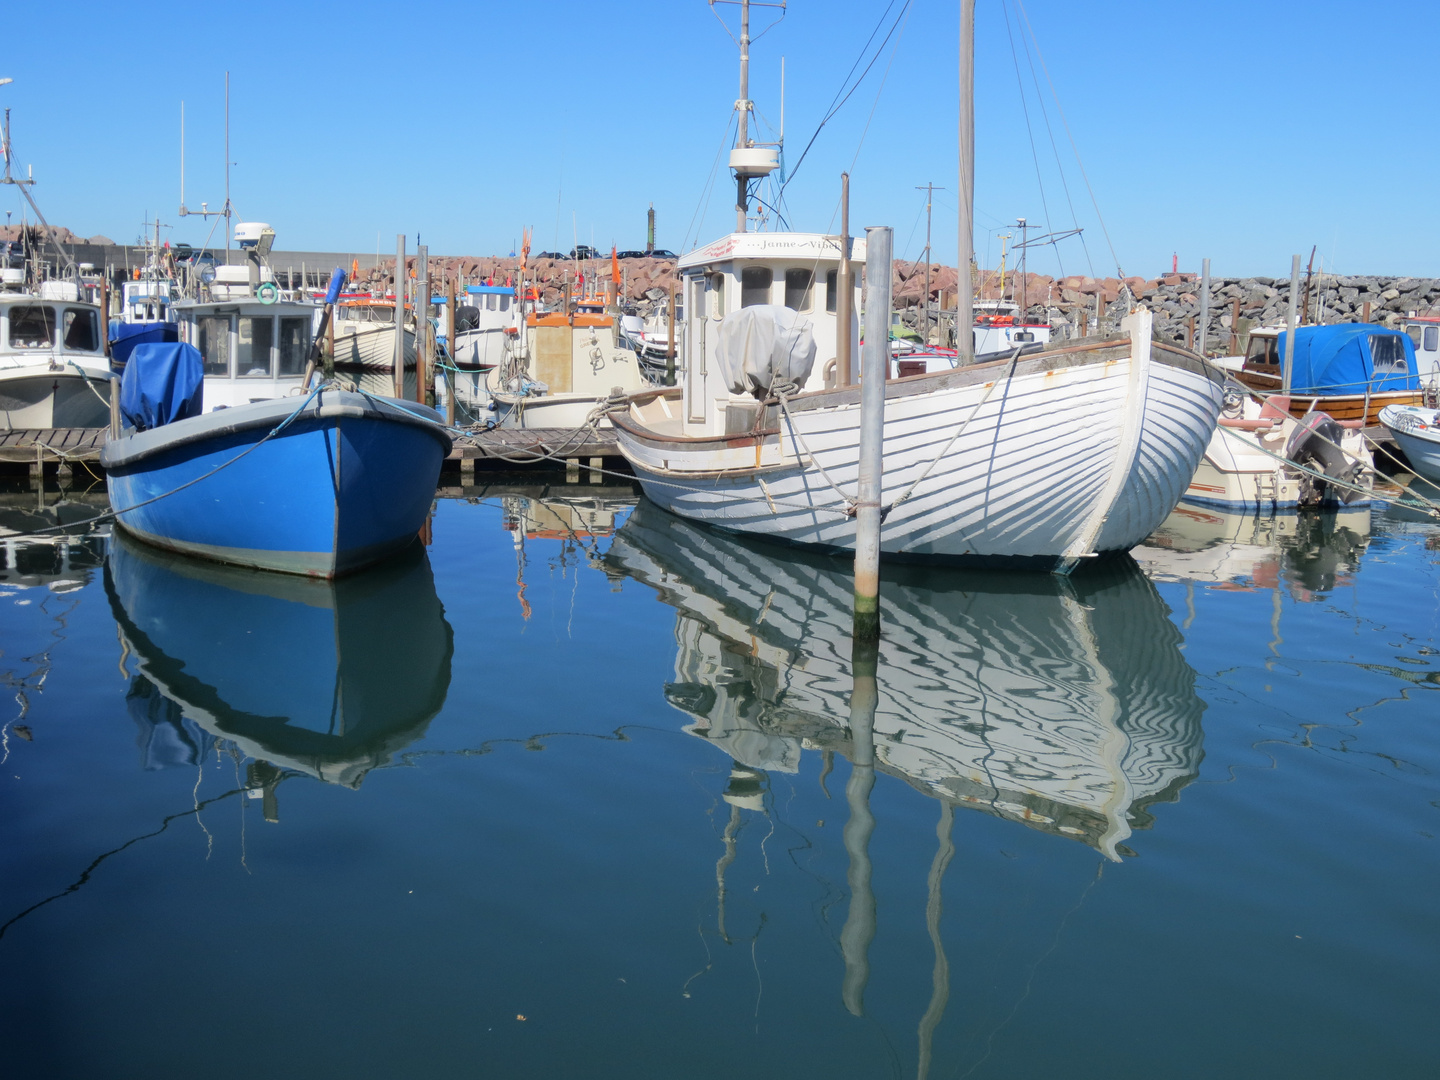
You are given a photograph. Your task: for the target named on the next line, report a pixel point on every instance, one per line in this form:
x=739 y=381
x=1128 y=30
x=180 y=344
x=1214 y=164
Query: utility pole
x=1024 y=263
x=929 y=190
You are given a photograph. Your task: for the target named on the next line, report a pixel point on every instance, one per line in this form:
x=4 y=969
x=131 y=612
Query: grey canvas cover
x=765 y=346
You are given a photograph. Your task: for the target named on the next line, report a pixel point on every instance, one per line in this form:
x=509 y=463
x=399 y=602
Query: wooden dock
x=74 y=453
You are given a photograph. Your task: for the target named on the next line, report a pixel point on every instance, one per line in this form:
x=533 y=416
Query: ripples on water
x=579 y=792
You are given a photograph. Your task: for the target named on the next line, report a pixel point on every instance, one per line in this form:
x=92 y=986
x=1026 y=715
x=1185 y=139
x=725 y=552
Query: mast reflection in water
x=329 y=679
x=1063 y=704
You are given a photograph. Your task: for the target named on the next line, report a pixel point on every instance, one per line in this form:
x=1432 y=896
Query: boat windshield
x=1388 y=353
x=32 y=326
x=81 y=332
x=1262 y=350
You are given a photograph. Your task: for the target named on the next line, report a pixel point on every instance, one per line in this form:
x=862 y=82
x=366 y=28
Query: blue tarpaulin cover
x=1350 y=358
x=162 y=383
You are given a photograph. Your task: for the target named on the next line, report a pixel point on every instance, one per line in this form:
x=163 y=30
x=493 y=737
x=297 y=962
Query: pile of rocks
x=1067 y=304
x=1236 y=304
x=645 y=283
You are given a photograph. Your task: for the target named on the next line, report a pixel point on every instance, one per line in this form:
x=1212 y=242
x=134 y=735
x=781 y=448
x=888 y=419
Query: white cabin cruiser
x=53 y=369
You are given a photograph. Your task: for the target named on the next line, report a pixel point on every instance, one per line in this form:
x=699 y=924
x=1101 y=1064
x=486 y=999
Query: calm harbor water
x=578 y=791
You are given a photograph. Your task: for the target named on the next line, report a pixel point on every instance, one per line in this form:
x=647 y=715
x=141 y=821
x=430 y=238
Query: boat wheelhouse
x=252 y=350
x=799 y=271
x=1349 y=370
x=1424 y=333
x=53 y=367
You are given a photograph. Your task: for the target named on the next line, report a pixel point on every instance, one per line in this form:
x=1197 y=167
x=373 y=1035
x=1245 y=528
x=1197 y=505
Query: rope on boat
x=799 y=440
x=112 y=514
x=958 y=432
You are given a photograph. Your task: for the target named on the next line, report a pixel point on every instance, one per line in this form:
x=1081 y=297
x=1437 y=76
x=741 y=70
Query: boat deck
x=74 y=453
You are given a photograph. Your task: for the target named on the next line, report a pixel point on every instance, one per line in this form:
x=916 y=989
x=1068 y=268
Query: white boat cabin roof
x=786 y=247
x=32 y=325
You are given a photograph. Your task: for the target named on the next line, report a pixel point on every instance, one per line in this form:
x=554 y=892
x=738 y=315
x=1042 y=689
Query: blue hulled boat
x=319 y=485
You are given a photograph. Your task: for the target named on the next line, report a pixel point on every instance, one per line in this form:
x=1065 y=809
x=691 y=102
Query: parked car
x=584 y=251
x=661 y=253
x=552 y=255
x=658 y=253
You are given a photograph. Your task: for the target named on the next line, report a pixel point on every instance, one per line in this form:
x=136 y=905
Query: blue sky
x=1239 y=131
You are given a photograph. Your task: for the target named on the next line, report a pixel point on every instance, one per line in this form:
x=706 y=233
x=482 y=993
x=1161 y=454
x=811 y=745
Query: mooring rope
x=113 y=514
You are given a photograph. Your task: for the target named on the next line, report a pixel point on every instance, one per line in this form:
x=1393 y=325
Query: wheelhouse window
x=1387 y=351
x=255 y=340
x=213 y=341
x=832 y=291
x=755 y=282
x=1262 y=350
x=32 y=326
x=1432 y=338
x=799 y=285
x=81 y=332
x=294 y=345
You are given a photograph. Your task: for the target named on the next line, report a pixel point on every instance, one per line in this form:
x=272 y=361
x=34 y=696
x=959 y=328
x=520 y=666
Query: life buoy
x=267 y=292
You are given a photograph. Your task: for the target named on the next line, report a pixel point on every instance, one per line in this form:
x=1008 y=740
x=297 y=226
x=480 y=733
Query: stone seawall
x=1236 y=304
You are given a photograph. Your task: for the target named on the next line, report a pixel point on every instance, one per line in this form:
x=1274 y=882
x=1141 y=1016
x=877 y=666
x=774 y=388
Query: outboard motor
x=1316 y=445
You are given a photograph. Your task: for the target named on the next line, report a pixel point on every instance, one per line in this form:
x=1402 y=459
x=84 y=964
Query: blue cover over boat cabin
x=1350 y=358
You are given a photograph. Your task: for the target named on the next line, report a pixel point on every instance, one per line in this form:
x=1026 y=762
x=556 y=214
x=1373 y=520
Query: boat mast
x=744 y=106
x=746 y=161
x=964 y=300
x=25 y=186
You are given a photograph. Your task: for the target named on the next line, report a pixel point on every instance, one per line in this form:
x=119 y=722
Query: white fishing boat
x=1416 y=430
x=53 y=369
x=365 y=345
x=1045 y=459
x=487 y=326
x=1262 y=459
x=564 y=365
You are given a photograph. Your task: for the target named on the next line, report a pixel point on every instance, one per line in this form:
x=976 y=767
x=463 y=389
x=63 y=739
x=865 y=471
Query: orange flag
x=614 y=266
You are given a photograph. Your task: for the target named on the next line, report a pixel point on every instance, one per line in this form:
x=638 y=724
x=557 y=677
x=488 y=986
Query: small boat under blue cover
x=321 y=485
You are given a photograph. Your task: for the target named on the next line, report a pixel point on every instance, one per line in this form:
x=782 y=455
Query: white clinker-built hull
x=1046 y=460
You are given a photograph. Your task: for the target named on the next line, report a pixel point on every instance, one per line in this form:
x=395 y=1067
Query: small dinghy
x=320 y=485
x=1417 y=432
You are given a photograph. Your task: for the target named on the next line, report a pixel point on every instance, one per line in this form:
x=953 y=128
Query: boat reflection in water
x=1306 y=555
x=1065 y=706
x=61 y=560
x=325 y=678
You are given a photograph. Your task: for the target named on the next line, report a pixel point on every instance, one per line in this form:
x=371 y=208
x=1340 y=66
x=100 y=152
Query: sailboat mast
x=964 y=300
x=742 y=137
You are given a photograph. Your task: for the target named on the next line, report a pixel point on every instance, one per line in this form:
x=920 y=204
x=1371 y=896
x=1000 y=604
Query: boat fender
x=1316 y=445
x=267 y=292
